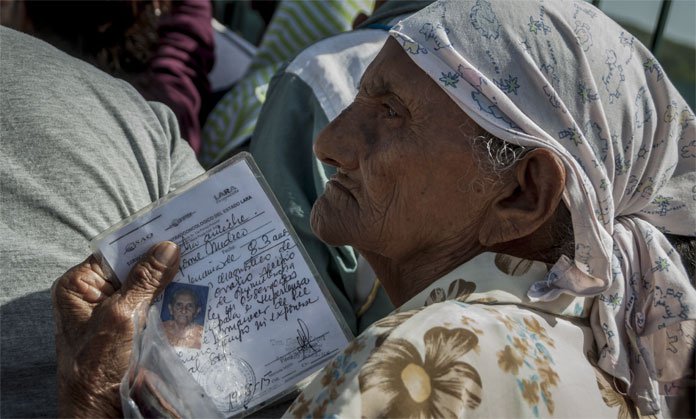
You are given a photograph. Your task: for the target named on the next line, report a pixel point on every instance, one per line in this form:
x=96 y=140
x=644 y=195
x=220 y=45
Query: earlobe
x=528 y=200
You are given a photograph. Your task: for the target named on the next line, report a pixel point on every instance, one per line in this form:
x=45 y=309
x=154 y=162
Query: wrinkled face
x=184 y=308
x=407 y=178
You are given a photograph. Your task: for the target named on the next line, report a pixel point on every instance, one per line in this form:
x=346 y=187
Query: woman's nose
x=336 y=144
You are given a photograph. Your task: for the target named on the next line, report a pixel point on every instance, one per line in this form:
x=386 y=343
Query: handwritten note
x=246 y=313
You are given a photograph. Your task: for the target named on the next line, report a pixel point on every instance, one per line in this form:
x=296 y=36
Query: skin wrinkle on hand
x=95 y=289
x=92 y=359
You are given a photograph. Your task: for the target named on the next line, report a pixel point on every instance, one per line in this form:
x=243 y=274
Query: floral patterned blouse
x=471 y=345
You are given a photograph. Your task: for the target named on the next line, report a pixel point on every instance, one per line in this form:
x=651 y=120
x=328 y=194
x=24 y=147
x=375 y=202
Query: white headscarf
x=562 y=76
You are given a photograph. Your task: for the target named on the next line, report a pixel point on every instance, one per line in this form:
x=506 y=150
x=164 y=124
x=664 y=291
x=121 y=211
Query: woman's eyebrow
x=375 y=86
x=378 y=88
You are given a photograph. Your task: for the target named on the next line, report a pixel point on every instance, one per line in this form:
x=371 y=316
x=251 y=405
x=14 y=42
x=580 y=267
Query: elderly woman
x=537 y=130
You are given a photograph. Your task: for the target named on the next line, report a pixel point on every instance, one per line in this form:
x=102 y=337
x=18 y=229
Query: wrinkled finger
x=96 y=290
x=85 y=282
x=105 y=283
x=72 y=295
x=96 y=287
x=149 y=277
x=70 y=288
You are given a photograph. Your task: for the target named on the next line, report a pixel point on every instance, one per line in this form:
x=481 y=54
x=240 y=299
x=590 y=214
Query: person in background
x=98 y=153
x=294 y=26
x=163 y=48
x=80 y=151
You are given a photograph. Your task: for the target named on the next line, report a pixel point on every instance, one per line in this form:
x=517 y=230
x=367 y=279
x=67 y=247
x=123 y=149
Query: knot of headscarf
x=563 y=76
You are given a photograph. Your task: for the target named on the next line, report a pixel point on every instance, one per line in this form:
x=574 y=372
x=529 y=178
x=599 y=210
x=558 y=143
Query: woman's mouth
x=338 y=185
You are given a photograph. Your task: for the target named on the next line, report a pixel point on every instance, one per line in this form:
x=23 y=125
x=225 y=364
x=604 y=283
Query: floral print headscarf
x=562 y=76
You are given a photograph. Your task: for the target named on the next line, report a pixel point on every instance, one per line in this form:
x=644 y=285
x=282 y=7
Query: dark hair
x=686 y=247
x=118 y=35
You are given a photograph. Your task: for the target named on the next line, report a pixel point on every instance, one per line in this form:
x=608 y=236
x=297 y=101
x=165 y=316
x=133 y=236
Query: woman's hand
x=94 y=329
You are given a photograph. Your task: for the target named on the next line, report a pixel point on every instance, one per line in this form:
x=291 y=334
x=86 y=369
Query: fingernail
x=97 y=296
x=166 y=253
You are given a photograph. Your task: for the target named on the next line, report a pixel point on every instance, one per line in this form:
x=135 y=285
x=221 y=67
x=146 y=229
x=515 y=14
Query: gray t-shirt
x=79 y=151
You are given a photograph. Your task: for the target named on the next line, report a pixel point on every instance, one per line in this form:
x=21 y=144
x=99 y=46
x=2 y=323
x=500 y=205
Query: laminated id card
x=247 y=313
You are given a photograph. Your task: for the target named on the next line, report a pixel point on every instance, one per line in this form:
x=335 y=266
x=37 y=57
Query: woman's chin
x=325 y=224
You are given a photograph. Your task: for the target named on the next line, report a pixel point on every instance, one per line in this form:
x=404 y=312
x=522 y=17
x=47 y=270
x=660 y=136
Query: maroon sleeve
x=178 y=71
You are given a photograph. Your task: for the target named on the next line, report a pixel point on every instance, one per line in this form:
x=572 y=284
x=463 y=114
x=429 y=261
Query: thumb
x=149 y=277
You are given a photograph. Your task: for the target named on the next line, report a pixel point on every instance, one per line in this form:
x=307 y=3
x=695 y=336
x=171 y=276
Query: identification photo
x=183 y=314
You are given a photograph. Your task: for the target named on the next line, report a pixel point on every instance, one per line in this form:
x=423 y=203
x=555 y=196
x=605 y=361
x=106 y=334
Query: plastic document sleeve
x=247 y=313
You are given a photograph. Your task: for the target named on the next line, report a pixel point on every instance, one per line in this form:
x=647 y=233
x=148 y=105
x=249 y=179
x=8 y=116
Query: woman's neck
x=405 y=277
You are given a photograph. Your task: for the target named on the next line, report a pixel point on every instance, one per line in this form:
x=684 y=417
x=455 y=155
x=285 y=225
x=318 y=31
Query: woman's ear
x=527 y=202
